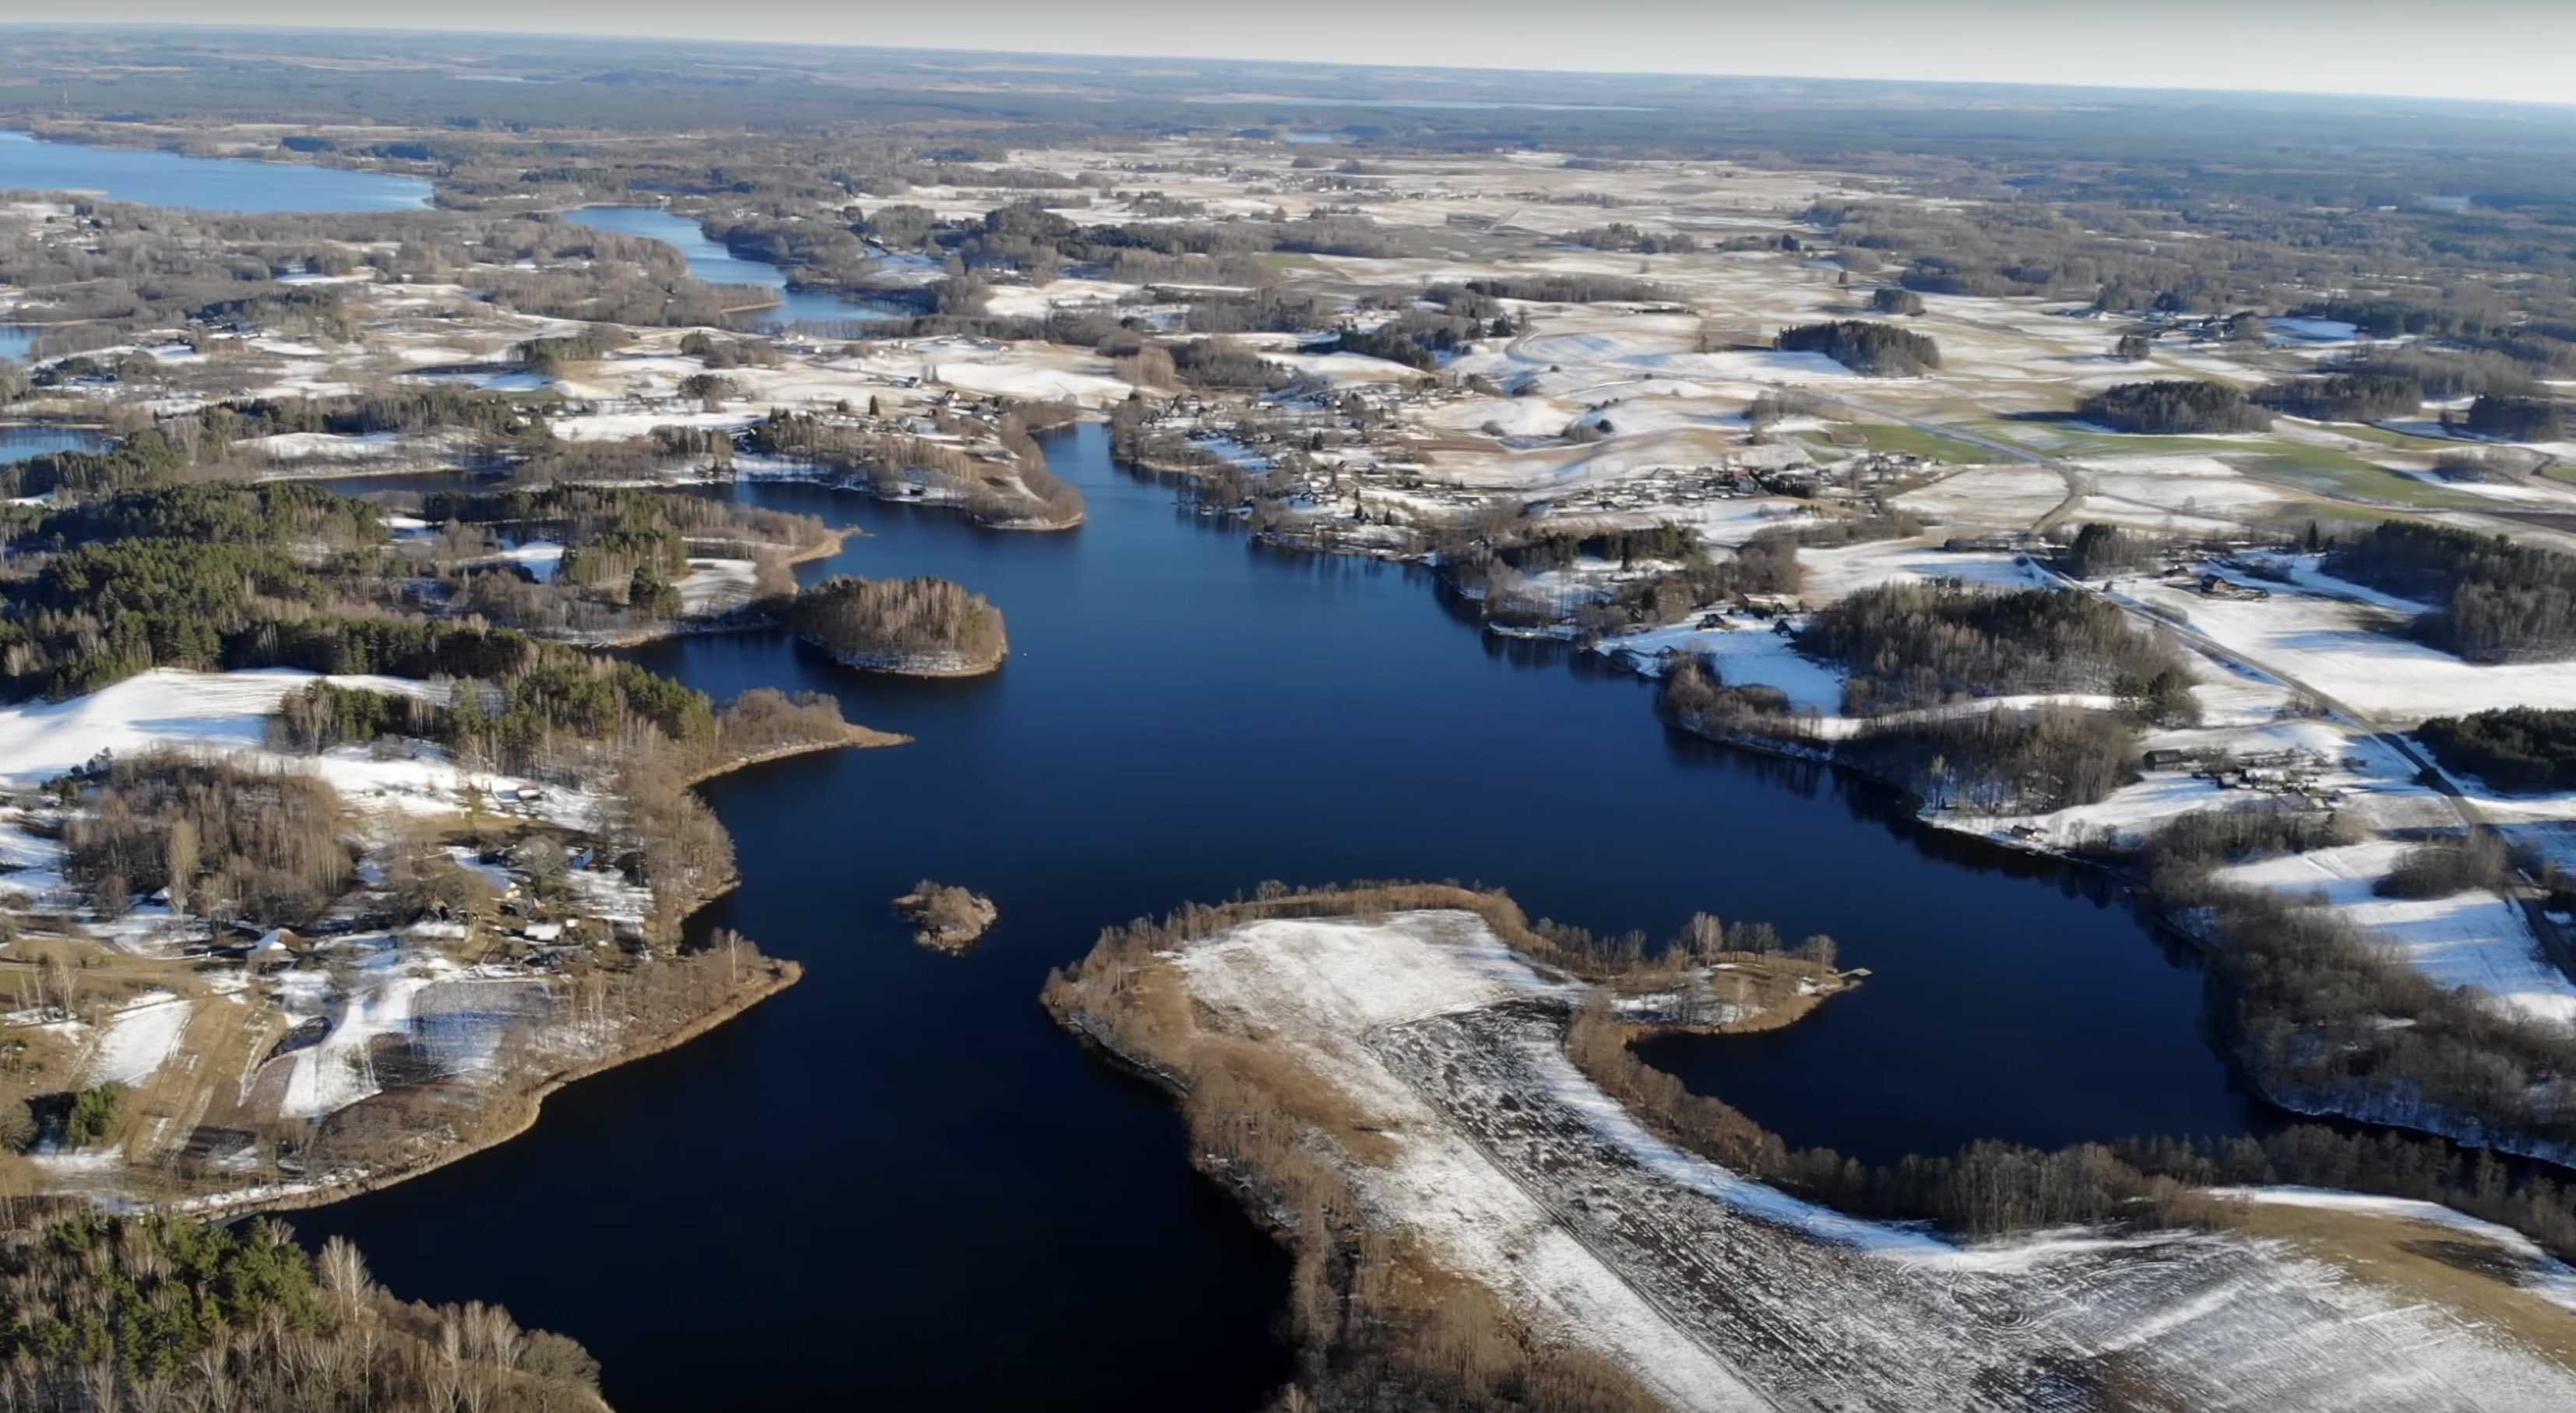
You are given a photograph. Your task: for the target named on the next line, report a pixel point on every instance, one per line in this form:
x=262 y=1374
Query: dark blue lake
x=899 y=1186
x=206 y=183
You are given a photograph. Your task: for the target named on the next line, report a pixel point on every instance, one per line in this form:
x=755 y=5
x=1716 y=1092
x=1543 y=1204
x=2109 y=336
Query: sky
x=2521 y=50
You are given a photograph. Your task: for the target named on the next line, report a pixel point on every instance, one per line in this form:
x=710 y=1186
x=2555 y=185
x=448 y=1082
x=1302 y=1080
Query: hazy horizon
x=2355 y=47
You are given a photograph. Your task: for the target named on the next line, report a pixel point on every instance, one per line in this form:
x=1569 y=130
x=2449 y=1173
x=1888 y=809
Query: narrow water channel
x=715 y=264
x=898 y=1186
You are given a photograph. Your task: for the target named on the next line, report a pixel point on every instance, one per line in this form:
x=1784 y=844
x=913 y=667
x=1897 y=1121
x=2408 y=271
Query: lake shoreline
x=1035 y=746
x=520 y=1108
x=2374 y=1112
x=1124 y=1003
x=903 y=666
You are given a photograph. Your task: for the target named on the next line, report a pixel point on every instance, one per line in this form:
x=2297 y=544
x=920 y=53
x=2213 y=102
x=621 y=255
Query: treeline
x=1696 y=696
x=1910 y=647
x=2346 y=397
x=536 y=720
x=1619 y=235
x=2383 y=318
x=885 y=458
x=145 y=459
x=901 y=625
x=2496 y=600
x=1986 y=1189
x=539 y=722
x=1873 y=523
x=103 y=612
x=263 y=846
x=1221 y=364
x=1997 y=1188
x=2516 y=419
x=1556 y=549
x=2193 y=843
x=2302 y=1000
x=2000 y=762
x=2447 y=373
x=1024 y=238
x=1273 y=310
x=1553 y=288
x=405 y=411
x=619 y=727
x=2101 y=550
x=2258 y=243
x=625 y=551
x=222 y=575
x=2518 y=748
x=1872 y=349
x=269 y=513
x=105 y=1312
x=1414 y=340
x=2174 y=407
x=1761 y=569
x=1919 y=645
x=550 y=687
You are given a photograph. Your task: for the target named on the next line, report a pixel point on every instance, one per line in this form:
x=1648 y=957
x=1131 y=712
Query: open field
x=1435 y=1056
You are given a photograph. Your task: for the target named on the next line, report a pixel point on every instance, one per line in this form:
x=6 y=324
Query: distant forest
x=1874 y=350
x=2174 y=407
x=2495 y=600
x=901 y=624
x=1921 y=645
x=2518 y=748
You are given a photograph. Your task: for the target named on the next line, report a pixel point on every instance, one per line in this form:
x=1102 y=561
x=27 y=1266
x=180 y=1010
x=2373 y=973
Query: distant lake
x=19 y=443
x=15 y=340
x=711 y=262
x=202 y=183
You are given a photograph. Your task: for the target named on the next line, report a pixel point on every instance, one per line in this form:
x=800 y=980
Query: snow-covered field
x=2001 y=496
x=715 y=586
x=1832 y=573
x=220 y=711
x=1513 y=1170
x=2543 y=1274
x=140 y=1038
x=2340 y=639
x=2469 y=939
x=1328 y=985
x=228 y=713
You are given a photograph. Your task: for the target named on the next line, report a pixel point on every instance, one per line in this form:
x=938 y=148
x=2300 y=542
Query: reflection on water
x=901 y=1166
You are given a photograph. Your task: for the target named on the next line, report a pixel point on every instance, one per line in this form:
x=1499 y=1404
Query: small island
x=919 y=627
x=947 y=918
